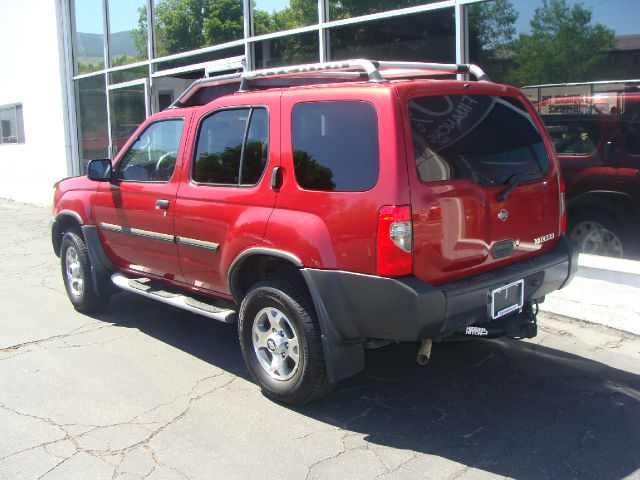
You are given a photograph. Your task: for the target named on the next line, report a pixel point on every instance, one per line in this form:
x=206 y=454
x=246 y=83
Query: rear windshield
x=483 y=138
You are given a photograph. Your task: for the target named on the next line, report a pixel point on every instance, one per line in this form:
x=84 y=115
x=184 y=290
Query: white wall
x=31 y=53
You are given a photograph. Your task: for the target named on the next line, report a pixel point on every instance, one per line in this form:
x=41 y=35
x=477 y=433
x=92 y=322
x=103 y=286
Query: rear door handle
x=276 y=179
x=162 y=204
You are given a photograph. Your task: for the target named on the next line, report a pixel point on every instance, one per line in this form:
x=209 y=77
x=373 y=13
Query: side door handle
x=276 y=179
x=162 y=204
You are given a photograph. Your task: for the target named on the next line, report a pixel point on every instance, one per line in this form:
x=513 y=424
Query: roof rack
x=376 y=71
x=208 y=89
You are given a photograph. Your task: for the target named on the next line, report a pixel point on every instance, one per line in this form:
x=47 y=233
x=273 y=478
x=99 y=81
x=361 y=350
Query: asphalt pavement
x=143 y=390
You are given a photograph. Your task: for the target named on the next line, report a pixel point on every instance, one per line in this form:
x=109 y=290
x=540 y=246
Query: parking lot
x=143 y=390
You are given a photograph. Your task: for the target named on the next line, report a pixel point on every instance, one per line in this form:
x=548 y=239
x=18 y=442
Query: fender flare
x=342 y=360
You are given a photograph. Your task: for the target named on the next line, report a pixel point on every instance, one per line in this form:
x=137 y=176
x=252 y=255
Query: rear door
x=484 y=187
x=225 y=198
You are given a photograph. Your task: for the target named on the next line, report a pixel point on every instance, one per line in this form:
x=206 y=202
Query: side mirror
x=99 y=170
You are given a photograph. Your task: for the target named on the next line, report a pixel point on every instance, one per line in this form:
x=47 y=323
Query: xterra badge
x=543 y=239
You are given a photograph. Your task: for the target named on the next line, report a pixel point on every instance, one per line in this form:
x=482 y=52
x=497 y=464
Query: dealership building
x=80 y=75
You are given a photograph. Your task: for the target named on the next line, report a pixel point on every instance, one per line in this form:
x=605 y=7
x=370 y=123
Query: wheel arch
x=255 y=264
x=64 y=221
x=604 y=200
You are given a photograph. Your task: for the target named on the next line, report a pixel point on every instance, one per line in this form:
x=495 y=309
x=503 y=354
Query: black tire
x=599 y=233
x=308 y=380
x=76 y=275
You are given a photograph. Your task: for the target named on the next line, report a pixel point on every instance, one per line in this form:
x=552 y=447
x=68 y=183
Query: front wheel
x=281 y=342
x=76 y=274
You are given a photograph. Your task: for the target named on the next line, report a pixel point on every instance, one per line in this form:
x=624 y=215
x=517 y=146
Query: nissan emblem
x=503 y=214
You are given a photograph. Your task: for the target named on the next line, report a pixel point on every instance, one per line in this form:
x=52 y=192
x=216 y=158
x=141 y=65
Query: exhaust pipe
x=424 y=352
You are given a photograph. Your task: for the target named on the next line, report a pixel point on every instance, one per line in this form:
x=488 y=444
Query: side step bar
x=173 y=297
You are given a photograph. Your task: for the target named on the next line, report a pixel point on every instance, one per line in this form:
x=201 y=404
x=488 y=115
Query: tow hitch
x=521 y=325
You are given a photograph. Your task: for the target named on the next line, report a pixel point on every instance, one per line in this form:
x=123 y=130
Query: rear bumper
x=353 y=306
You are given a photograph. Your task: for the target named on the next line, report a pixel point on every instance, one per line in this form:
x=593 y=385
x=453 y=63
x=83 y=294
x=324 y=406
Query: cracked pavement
x=145 y=391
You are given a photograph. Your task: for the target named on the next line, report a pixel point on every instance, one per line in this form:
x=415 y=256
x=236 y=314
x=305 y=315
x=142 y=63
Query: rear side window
x=232 y=147
x=630 y=126
x=335 y=145
x=483 y=138
x=573 y=134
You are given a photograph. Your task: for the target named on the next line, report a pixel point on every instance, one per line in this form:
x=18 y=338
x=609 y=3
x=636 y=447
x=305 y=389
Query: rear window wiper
x=515 y=180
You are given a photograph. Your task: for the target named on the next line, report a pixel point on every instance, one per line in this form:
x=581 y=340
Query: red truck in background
x=595 y=128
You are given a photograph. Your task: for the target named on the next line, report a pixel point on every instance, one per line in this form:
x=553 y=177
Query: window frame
x=251 y=108
x=377 y=123
x=118 y=163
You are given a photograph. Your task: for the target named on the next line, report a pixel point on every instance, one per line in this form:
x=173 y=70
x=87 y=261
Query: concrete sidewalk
x=605 y=291
x=146 y=391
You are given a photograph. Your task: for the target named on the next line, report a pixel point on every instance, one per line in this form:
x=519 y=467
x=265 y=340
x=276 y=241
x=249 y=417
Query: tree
x=563 y=46
x=491 y=28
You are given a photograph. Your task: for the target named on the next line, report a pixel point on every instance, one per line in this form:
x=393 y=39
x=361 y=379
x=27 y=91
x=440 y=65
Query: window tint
x=152 y=157
x=220 y=146
x=335 y=145
x=255 y=151
x=630 y=124
x=484 y=138
x=220 y=157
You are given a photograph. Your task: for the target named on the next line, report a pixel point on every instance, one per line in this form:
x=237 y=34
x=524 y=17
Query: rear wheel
x=597 y=234
x=281 y=342
x=76 y=274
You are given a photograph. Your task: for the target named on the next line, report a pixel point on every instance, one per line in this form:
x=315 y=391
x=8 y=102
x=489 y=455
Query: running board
x=174 y=297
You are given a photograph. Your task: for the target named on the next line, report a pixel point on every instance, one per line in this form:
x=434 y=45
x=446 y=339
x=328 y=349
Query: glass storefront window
x=200 y=58
x=127 y=31
x=183 y=25
x=576 y=64
x=289 y=50
x=93 y=136
x=168 y=88
x=89 y=36
x=340 y=9
x=277 y=15
x=426 y=37
x=128 y=110
x=135 y=73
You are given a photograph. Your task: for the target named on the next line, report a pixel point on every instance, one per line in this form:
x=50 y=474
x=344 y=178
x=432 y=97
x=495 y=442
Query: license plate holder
x=507 y=299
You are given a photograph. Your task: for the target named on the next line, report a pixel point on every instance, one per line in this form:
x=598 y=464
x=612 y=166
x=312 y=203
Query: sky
x=620 y=15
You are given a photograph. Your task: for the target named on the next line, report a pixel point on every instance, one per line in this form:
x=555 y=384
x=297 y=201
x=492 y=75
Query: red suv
x=597 y=137
x=328 y=211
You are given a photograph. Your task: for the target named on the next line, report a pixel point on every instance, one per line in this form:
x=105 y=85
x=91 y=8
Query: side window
x=152 y=157
x=335 y=145
x=232 y=147
x=630 y=125
x=574 y=135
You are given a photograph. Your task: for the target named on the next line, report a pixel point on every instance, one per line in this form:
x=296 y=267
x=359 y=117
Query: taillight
x=395 y=241
x=563 y=209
